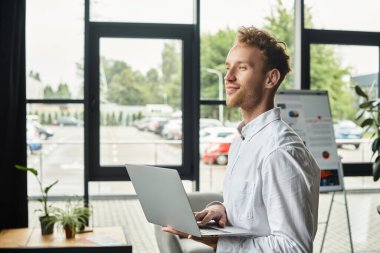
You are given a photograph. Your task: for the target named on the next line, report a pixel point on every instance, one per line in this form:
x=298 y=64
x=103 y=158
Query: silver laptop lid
x=163 y=197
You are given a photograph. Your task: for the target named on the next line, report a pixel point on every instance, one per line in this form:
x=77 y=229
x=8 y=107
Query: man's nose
x=230 y=76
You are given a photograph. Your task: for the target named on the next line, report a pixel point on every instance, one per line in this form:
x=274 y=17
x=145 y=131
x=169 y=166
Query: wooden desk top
x=31 y=237
x=8 y=237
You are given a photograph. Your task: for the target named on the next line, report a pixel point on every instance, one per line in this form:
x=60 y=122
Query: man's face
x=245 y=78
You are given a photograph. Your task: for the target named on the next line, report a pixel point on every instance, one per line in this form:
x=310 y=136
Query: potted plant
x=369 y=112
x=83 y=214
x=74 y=217
x=47 y=219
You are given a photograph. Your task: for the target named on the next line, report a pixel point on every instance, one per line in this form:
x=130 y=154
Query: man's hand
x=216 y=212
x=210 y=241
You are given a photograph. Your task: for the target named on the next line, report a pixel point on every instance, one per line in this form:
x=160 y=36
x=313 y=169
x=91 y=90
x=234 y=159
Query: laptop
x=165 y=203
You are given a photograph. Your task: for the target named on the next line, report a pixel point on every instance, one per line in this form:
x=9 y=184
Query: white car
x=214 y=135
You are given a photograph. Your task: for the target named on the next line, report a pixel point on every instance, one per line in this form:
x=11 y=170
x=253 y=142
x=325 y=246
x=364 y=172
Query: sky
x=54 y=37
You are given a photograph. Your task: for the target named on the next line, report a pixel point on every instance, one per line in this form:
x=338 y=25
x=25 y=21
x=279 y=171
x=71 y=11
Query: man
x=271 y=184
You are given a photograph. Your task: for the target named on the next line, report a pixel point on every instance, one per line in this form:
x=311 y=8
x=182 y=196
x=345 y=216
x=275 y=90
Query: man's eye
x=242 y=68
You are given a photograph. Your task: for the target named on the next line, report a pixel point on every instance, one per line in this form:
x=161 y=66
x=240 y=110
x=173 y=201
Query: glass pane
x=337 y=69
x=142 y=11
x=140 y=94
x=218 y=34
x=55 y=147
x=353 y=15
x=215 y=137
x=54 y=63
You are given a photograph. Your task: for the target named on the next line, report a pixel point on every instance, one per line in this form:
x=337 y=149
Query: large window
x=143 y=11
x=142 y=90
x=150 y=88
x=140 y=101
x=337 y=69
x=54 y=88
x=343 y=15
x=217 y=36
x=336 y=61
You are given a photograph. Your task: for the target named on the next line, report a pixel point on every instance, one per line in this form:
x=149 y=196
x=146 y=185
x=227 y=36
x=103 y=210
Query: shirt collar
x=255 y=125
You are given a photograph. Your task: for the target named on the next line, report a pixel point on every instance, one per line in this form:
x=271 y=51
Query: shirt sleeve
x=288 y=176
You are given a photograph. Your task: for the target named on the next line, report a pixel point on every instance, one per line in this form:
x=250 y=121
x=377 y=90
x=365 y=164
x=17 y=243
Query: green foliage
x=120 y=119
x=325 y=66
x=326 y=74
x=35 y=75
x=281 y=24
x=42 y=118
x=62 y=91
x=369 y=114
x=46 y=210
x=49 y=119
x=126 y=86
x=214 y=49
x=74 y=215
x=48 y=92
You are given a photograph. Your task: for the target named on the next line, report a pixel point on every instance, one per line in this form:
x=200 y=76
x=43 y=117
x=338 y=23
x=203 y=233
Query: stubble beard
x=234 y=100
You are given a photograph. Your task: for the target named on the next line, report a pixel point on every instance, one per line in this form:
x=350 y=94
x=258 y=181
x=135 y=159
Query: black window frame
x=336 y=37
x=99 y=30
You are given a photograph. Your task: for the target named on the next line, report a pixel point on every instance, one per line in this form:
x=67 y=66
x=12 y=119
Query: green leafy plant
x=46 y=209
x=73 y=217
x=369 y=113
x=48 y=218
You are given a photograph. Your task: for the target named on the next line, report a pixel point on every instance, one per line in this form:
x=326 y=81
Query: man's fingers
x=222 y=222
x=173 y=231
x=206 y=219
x=200 y=215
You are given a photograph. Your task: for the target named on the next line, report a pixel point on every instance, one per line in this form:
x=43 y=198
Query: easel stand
x=328 y=219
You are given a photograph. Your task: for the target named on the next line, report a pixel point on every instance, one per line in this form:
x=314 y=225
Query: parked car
x=349 y=132
x=210 y=135
x=68 y=121
x=33 y=141
x=155 y=124
x=217 y=152
x=141 y=124
x=43 y=132
x=172 y=130
x=205 y=122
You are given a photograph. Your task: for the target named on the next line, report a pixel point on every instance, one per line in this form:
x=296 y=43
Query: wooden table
x=101 y=239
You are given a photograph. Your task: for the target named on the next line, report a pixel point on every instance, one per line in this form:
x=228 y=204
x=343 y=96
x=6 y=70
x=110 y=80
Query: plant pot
x=47 y=224
x=70 y=232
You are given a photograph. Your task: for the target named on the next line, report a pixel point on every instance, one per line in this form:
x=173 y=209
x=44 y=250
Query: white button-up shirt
x=271 y=188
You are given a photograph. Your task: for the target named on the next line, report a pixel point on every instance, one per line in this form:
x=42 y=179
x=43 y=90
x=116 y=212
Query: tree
x=281 y=24
x=127 y=88
x=48 y=92
x=35 y=75
x=63 y=91
x=326 y=72
x=214 y=49
x=171 y=83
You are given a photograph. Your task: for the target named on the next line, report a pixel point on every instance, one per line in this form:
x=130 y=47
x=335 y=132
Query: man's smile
x=231 y=88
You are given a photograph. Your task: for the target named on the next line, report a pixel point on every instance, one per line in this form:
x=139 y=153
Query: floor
x=364 y=219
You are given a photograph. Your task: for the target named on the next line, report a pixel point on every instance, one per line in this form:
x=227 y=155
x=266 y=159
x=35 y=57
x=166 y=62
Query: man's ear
x=273 y=76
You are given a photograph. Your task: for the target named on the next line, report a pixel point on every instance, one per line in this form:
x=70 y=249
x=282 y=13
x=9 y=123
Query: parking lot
x=61 y=158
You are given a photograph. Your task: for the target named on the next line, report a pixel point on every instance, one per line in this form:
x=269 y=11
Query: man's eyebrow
x=239 y=62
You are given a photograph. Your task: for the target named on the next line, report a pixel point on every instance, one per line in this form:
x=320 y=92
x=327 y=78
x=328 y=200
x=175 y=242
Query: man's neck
x=251 y=114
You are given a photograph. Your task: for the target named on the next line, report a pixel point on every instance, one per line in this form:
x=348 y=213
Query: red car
x=217 y=149
x=217 y=153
